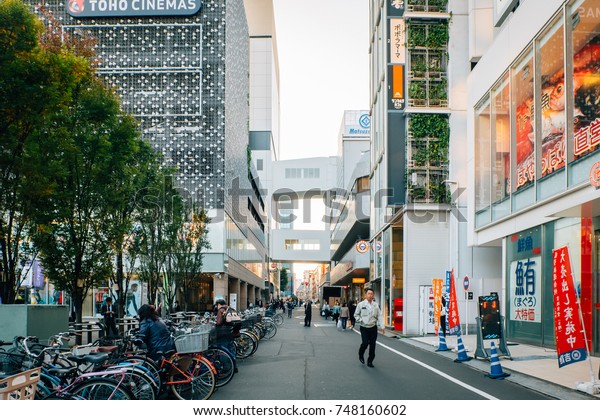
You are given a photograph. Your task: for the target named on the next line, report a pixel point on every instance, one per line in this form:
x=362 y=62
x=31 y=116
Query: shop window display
x=551 y=53
x=585 y=21
x=524 y=120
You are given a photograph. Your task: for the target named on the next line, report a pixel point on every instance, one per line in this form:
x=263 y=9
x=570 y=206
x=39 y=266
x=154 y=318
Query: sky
x=323 y=50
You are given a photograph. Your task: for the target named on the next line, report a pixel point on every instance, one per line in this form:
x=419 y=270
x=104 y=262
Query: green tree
x=35 y=82
x=283 y=280
x=183 y=255
x=132 y=167
x=72 y=221
x=151 y=240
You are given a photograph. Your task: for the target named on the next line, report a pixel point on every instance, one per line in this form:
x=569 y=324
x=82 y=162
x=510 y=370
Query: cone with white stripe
x=442 y=345
x=462 y=353
x=495 y=367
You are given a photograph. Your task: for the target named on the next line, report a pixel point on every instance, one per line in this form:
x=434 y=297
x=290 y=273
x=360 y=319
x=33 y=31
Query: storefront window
x=585 y=21
x=524 y=121
x=483 y=164
x=500 y=144
x=552 y=72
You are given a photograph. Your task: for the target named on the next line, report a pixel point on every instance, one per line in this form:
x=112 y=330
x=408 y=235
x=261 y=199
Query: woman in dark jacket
x=154 y=332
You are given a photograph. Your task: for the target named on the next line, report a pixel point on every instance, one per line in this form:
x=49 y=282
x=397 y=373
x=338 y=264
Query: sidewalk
x=528 y=366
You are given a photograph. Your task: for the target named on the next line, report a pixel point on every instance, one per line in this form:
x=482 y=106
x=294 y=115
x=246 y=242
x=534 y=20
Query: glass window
x=500 y=139
x=259 y=164
x=552 y=72
x=524 y=121
x=482 y=156
x=585 y=17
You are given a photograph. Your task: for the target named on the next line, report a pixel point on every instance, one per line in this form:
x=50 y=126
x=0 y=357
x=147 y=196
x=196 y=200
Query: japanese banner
x=525 y=290
x=570 y=344
x=453 y=318
x=437 y=302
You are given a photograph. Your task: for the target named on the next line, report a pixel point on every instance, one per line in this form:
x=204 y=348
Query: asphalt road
x=321 y=363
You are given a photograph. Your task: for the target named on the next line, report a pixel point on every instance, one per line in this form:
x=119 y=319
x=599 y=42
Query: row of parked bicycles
x=205 y=359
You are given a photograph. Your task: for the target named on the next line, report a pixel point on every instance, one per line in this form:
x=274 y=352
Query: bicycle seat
x=94 y=358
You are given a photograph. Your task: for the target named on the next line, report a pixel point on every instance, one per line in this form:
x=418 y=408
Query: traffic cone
x=442 y=345
x=462 y=353
x=495 y=367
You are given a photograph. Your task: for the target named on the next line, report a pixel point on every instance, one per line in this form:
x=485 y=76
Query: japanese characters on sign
x=453 y=317
x=437 y=302
x=525 y=285
x=397 y=41
x=570 y=344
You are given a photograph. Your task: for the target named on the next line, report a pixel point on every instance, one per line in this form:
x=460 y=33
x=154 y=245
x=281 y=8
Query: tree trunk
x=119 y=280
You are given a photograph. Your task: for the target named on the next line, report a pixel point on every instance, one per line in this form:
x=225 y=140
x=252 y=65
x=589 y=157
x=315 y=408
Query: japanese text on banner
x=570 y=344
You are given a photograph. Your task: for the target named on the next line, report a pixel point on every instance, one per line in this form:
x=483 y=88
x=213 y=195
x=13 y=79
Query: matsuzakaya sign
x=118 y=8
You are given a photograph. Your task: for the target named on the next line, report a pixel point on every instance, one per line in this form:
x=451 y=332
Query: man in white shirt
x=368 y=316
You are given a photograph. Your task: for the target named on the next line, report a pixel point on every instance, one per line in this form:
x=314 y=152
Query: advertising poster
x=570 y=344
x=525 y=290
x=133 y=299
x=586 y=88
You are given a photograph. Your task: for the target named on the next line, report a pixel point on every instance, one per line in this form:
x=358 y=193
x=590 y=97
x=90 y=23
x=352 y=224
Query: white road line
x=437 y=372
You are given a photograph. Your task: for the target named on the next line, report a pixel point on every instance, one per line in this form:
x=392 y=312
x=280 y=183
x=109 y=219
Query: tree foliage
x=35 y=83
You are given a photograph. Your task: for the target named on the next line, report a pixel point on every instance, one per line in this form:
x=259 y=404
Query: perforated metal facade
x=172 y=75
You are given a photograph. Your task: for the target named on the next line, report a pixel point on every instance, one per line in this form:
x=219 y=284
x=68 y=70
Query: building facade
x=181 y=70
x=419 y=67
x=534 y=158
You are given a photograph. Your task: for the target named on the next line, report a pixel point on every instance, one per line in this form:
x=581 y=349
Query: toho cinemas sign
x=119 y=8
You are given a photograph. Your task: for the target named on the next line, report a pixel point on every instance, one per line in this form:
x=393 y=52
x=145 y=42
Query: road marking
x=437 y=372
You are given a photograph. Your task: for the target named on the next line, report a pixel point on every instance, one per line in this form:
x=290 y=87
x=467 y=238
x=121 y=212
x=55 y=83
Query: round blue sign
x=466 y=283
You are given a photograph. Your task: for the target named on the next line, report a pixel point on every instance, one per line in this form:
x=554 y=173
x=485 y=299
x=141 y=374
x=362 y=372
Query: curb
x=540 y=385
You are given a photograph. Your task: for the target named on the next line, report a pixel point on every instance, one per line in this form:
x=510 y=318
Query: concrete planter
x=39 y=320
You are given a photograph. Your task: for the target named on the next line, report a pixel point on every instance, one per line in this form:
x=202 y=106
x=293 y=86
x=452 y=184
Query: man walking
x=307 y=313
x=368 y=316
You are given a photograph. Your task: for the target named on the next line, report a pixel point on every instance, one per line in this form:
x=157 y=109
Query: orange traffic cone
x=442 y=346
x=495 y=367
x=462 y=353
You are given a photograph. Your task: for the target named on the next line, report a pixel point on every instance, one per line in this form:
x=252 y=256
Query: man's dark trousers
x=369 y=337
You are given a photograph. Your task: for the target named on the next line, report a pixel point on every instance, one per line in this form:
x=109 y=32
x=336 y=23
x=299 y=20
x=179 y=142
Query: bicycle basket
x=192 y=343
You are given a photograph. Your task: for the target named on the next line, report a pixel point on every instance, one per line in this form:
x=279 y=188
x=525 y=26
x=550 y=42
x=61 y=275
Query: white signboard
x=397 y=41
x=525 y=290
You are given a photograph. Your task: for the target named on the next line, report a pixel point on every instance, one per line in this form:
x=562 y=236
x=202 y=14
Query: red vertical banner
x=570 y=344
x=453 y=318
x=437 y=302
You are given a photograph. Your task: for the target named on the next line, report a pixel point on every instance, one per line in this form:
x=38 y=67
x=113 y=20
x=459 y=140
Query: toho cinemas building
x=181 y=68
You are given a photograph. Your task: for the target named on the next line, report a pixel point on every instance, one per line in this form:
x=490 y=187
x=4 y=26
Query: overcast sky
x=324 y=70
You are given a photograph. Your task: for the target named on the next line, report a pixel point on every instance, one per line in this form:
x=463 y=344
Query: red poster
x=453 y=318
x=437 y=302
x=570 y=345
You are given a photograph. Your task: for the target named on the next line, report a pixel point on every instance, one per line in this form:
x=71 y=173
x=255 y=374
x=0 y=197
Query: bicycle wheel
x=270 y=330
x=141 y=386
x=192 y=377
x=223 y=363
x=244 y=345
x=150 y=365
x=101 y=389
x=278 y=319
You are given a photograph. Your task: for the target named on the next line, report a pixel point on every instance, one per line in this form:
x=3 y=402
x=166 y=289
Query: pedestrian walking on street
x=344 y=312
x=443 y=316
x=307 y=313
x=352 y=310
x=368 y=316
x=109 y=314
x=290 y=308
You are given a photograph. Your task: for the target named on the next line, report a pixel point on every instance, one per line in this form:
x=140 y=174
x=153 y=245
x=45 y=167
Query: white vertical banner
x=233 y=300
x=397 y=41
